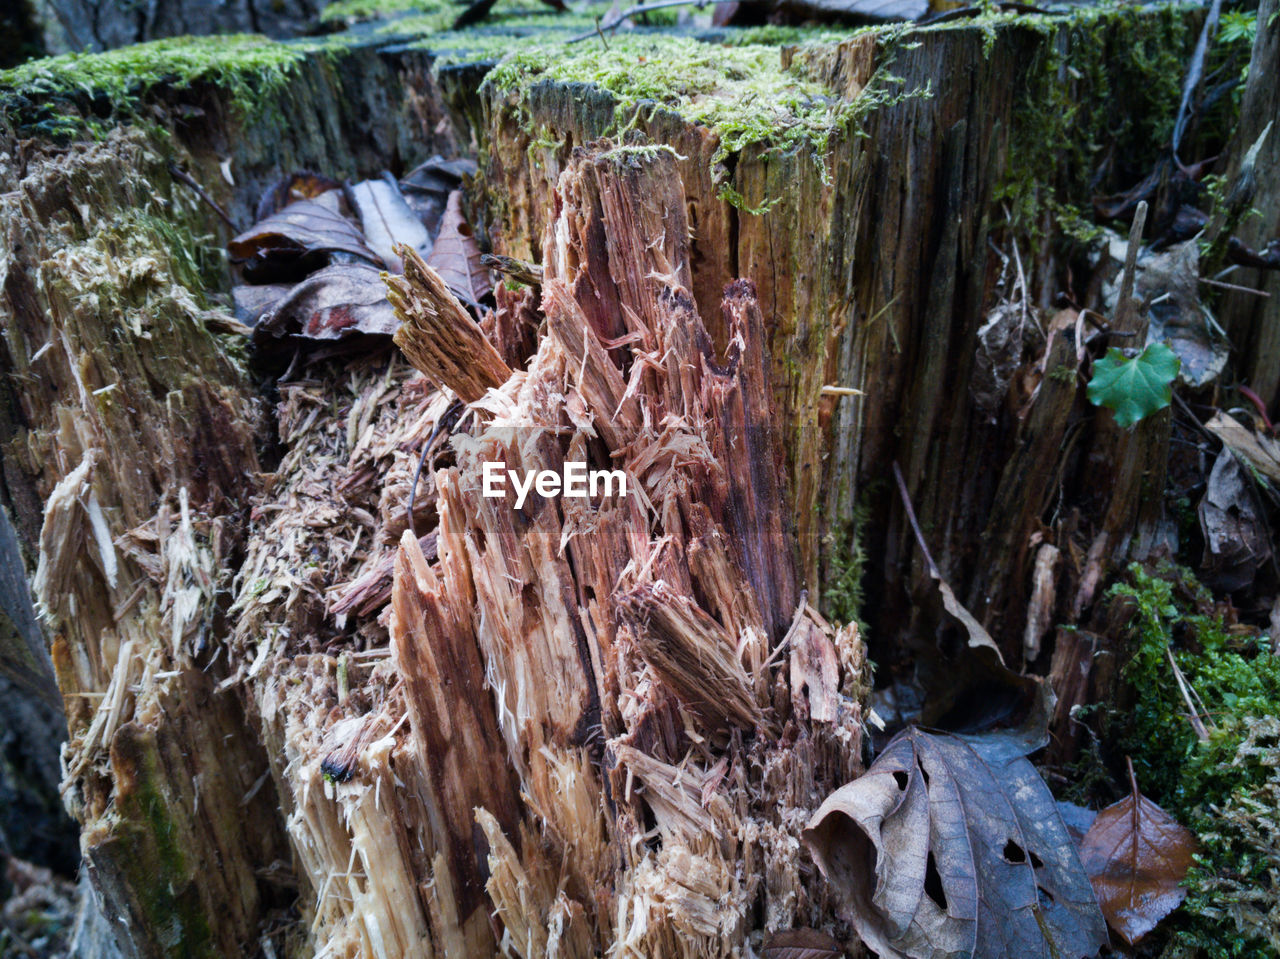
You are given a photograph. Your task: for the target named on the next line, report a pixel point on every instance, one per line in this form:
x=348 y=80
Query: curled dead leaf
x=300 y=229
x=953 y=845
x=332 y=303
x=1259 y=451
x=1236 y=541
x=427 y=187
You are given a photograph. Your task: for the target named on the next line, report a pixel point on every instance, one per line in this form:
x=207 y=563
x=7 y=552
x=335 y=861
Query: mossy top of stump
x=732 y=79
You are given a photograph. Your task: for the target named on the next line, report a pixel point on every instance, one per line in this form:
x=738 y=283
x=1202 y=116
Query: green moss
x=152 y=853
x=742 y=92
x=777 y=36
x=355 y=10
x=114 y=82
x=1208 y=785
x=1110 y=86
x=846 y=563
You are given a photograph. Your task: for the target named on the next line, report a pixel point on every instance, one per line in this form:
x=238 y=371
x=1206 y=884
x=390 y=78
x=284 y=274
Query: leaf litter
x=456 y=256
x=314 y=262
x=387 y=220
x=953 y=845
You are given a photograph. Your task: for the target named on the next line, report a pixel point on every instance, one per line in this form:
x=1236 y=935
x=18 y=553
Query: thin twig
x=1022 y=277
x=447 y=421
x=1202 y=734
x=915 y=523
x=1235 y=286
x=1259 y=404
x=184 y=177
x=634 y=12
x=1194 y=72
x=1124 y=305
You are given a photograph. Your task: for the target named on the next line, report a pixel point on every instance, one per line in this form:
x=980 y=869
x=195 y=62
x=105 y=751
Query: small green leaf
x=1134 y=388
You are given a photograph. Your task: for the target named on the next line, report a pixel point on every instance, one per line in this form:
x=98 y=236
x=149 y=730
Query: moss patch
x=742 y=92
x=114 y=82
x=1212 y=786
x=1106 y=90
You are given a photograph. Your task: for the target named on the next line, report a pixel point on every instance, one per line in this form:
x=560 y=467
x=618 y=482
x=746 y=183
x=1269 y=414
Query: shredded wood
x=588 y=726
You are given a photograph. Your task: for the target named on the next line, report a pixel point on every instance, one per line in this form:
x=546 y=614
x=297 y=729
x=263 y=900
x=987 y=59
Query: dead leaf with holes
x=952 y=845
x=1137 y=855
x=456 y=256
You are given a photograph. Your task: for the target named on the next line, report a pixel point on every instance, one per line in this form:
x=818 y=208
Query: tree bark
x=1253 y=322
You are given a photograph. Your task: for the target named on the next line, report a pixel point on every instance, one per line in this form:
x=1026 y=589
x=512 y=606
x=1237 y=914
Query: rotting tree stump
x=299 y=716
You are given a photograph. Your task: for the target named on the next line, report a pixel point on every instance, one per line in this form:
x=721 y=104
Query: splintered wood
x=603 y=721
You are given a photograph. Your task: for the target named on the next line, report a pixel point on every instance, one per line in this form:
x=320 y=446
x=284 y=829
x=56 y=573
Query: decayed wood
x=628 y=682
x=140 y=440
x=122 y=395
x=873 y=273
x=618 y=810
x=429 y=312
x=1028 y=484
x=1131 y=520
x=1253 y=322
x=1071 y=675
x=454 y=729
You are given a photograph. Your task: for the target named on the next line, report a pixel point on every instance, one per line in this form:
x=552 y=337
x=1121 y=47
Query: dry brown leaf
x=1260 y=452
x=387 y=220
x=299 y=229
x=456 y=257
x=303 y=185
x=1236 y=541
x=1137 y=855
x=801 y=944
x=953 y=845
x=332 y=303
